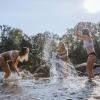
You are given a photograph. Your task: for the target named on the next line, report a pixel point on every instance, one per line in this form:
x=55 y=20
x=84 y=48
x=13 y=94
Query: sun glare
x=92 y=6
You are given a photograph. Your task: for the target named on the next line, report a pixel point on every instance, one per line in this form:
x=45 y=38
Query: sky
x=36 y=16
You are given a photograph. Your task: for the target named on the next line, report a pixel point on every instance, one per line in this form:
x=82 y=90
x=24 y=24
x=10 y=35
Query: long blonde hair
x=24 y=52
x=24 y=58
x=61 y=47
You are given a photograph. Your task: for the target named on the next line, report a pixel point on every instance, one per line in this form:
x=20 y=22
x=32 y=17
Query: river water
x=43 y=89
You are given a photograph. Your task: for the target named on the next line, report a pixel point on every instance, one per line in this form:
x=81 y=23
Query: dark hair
x=23 y=51
x=85 y=32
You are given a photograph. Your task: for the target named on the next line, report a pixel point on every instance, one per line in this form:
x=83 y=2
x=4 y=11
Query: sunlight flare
x=92 y=6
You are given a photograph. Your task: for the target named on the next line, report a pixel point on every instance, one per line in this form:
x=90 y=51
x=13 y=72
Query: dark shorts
x=93 y=53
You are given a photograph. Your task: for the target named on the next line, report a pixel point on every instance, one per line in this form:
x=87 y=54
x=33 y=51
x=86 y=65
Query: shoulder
x=14 y=53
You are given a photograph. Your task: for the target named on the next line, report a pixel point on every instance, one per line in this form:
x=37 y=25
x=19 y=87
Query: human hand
x=79 y=25
x=18 y=74
x=82 y=25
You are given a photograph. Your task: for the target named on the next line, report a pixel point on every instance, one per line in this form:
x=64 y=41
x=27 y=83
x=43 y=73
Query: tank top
x=88 y=44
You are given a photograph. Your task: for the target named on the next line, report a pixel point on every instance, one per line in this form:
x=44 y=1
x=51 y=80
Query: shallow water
x=44 y=89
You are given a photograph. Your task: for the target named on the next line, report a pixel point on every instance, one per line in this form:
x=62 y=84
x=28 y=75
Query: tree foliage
x=14 y=38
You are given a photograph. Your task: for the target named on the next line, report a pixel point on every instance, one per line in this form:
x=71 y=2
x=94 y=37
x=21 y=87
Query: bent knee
x=8 y=73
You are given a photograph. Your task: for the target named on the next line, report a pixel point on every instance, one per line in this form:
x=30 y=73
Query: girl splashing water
x=62 y=52
x=88 y=44
x=13 y=56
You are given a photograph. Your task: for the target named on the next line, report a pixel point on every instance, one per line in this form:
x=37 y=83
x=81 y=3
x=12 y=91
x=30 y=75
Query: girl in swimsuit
x=13 y=56
x=62 y=52
x=86 y=37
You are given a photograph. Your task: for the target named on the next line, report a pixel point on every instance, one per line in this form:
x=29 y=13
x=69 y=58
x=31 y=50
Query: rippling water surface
x=43 y=89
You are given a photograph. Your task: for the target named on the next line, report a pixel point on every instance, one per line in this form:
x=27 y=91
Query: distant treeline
x=14 y=38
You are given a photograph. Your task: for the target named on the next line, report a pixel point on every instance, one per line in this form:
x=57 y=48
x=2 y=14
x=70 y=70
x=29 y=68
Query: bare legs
x=90 y=63
x=5 y=68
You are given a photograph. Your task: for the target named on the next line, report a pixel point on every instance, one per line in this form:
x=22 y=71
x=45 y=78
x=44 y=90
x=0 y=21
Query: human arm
x=63 y=54
x=15 y=68
x=15 y=59
x=78 y=33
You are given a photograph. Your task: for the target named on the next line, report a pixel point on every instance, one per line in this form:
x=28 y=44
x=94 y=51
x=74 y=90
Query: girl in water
x=13 y=56
x=86 y=37
x=62 y=52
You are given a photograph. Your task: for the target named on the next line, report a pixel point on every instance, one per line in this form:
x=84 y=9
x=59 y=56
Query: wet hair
x=86 y=32
x=23 y=51
x=63 y=46
x=61 y=43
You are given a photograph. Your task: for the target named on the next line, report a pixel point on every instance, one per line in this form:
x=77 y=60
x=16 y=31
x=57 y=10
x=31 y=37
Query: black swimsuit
x=93 y=53
x=65 y=58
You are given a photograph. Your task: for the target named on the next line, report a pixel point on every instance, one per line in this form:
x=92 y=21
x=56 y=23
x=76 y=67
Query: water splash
x=13 y=79
x=58 y=69
x=47 y=49
x=61 y=70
